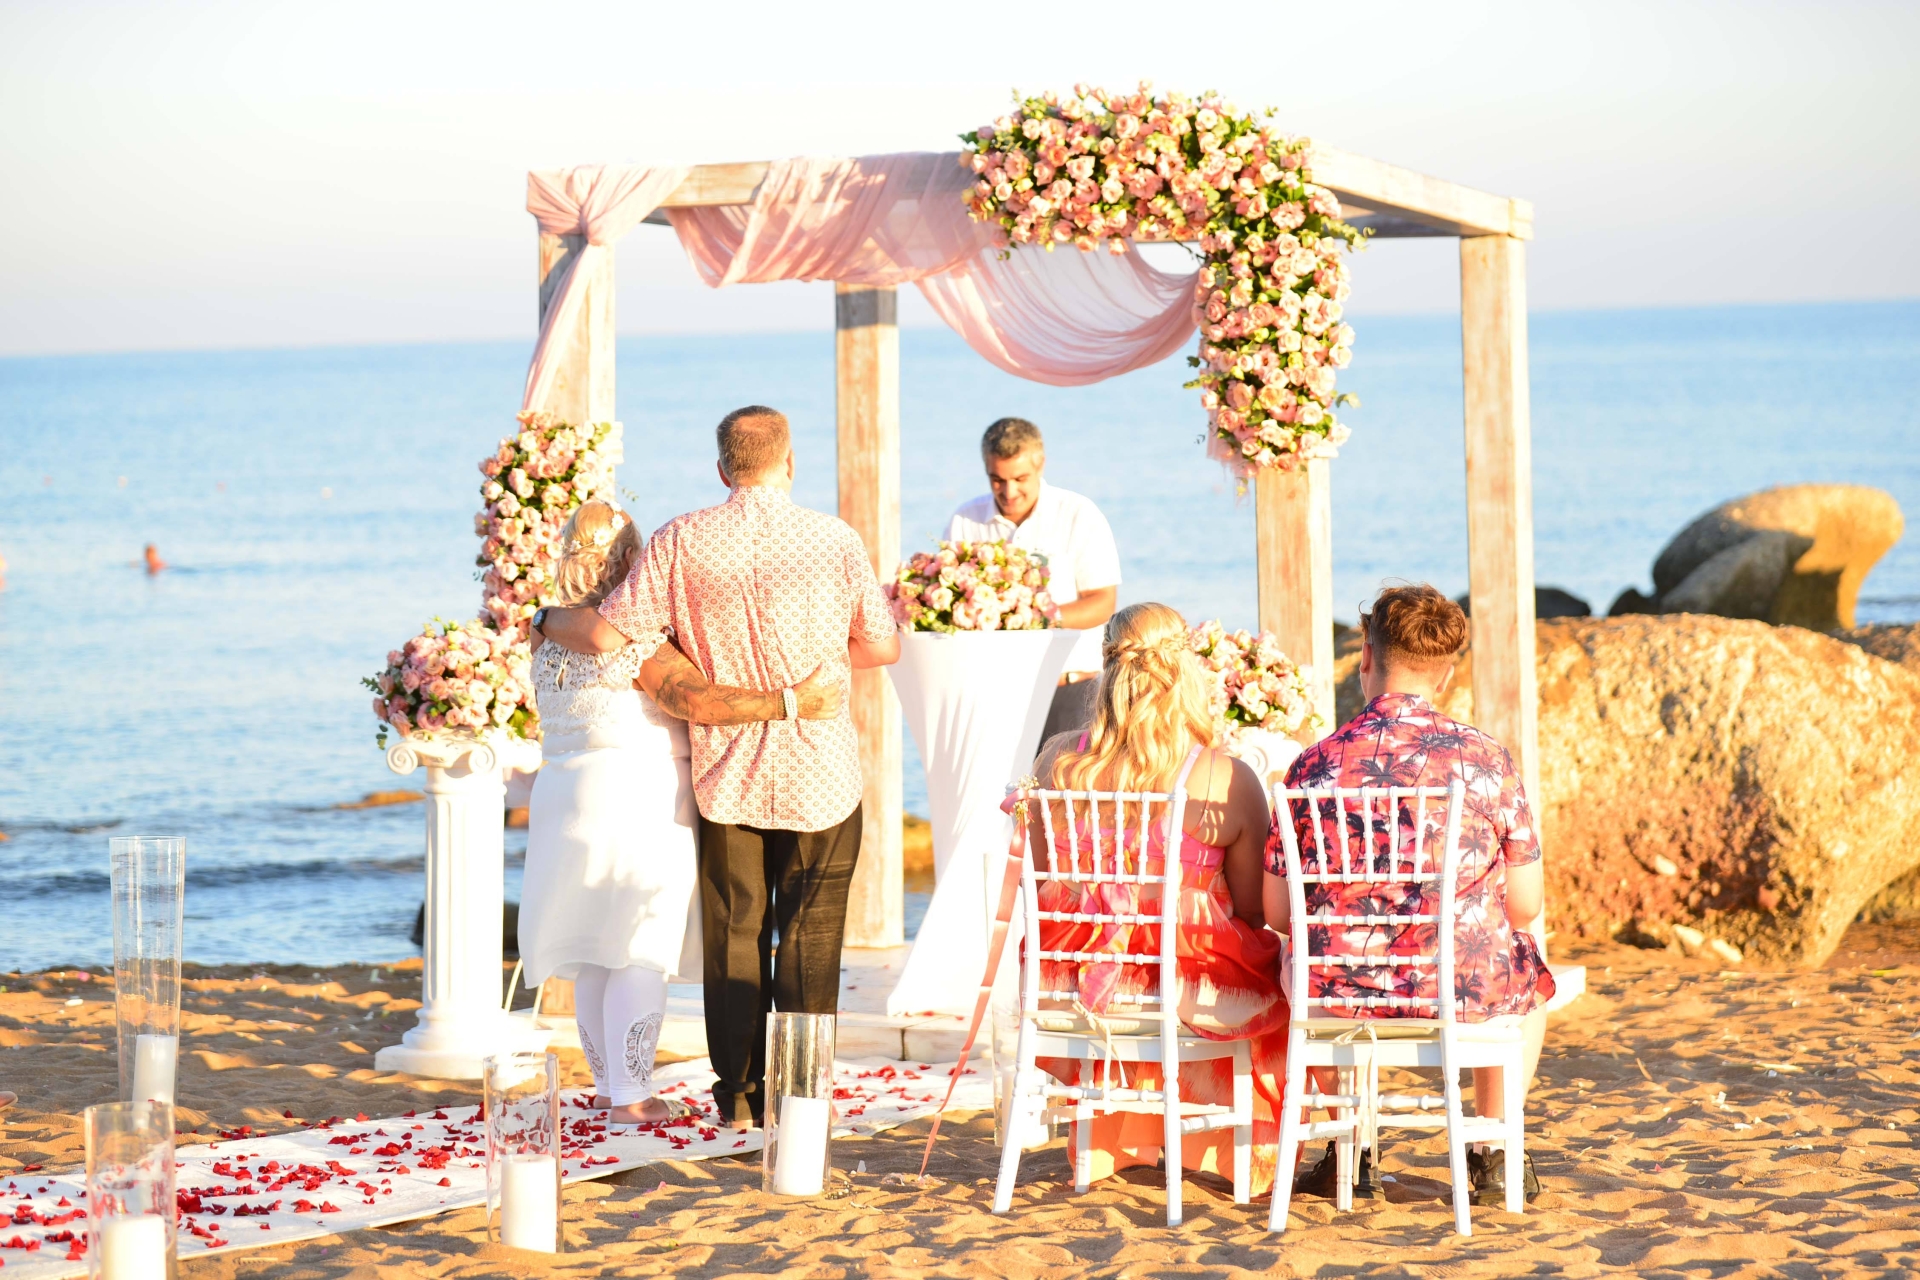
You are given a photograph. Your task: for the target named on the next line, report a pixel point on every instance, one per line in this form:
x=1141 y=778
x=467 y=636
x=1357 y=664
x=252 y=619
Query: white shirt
x=1070 y=532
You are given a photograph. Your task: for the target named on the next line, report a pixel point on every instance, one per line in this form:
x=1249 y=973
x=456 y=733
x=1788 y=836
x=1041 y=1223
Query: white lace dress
x=612 y=872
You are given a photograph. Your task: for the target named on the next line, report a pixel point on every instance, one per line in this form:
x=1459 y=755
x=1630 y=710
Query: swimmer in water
x=154 y=563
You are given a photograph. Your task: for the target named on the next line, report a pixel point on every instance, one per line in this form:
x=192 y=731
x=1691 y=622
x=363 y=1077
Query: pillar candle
x=800 y=1161
x=133 y=1247
x=153 y=1064
x=530 y=1202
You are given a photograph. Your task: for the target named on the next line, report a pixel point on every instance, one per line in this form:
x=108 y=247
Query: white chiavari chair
x=1394 y=850
x=1133 y=1028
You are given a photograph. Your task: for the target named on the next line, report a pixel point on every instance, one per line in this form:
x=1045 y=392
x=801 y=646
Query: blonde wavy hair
x=597 y=547
x=1150 y=711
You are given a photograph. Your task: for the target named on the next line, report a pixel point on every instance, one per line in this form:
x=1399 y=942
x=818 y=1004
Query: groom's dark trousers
x=752 y=881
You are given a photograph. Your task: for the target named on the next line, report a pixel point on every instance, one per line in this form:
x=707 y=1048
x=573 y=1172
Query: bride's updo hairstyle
x=597 y=547
x=1150 y=710
x=1415 y=627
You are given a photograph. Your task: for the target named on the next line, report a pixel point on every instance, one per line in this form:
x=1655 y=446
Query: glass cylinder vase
x=149 y=887
x=523 y=1150
x=799 y=1116
x=130 y=1199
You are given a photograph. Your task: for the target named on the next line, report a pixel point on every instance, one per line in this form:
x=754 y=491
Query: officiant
x=1026 y=511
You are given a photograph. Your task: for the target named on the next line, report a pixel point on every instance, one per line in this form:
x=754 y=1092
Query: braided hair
x=597 y=547
x=1150 y=710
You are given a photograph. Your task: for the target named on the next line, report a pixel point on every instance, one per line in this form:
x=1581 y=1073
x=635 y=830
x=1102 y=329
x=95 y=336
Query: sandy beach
x=1688 y=1120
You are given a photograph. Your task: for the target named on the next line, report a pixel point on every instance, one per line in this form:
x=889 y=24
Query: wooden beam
x=1392 y=201
x=1400 y=202
x=867 y=405
x=1493 y=340
x=584 y=384
x=1293 y=528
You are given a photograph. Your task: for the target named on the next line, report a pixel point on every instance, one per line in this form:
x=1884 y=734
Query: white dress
x=612 y=853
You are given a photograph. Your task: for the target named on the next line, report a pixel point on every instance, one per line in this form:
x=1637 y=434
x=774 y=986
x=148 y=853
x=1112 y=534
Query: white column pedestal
x=461 y=1020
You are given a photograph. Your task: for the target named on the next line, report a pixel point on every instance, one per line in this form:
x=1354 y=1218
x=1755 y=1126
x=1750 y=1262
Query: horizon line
x=918 y=327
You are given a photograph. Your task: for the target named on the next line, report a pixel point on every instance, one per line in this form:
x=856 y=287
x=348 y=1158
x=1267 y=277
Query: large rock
x=1548 y=602
x=1793 y=554
x=1896 y=642
x=1758 y=785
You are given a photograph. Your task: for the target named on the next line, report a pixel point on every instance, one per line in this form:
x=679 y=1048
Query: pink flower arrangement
x=456 y=677
x=1255 y=684
x=475 y=677
x=1096 y=169
x=534 y=480
x=973 y=586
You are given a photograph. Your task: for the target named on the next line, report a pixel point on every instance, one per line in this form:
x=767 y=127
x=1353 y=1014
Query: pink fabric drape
x=602 y=203
x=1064 y=317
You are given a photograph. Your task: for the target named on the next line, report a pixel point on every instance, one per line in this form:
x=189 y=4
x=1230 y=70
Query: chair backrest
x=1390 y=827
x=1120 y=831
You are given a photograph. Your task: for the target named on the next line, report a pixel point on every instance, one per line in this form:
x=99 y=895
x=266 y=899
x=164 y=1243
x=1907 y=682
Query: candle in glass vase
x=800 y=1163
x=133 y=1246
x=530 y=1202
x=153 y=1066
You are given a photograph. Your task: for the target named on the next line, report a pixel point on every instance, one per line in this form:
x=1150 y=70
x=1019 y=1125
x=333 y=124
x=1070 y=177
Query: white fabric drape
x=601 y=202
x=1064 y=317
x=975 y=703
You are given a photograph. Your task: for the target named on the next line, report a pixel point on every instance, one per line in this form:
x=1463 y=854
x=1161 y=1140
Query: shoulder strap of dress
x=1180 y=783
x=1082 y=744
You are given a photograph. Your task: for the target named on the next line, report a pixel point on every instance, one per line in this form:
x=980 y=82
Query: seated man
x=1412 y=635
x=1026 y=511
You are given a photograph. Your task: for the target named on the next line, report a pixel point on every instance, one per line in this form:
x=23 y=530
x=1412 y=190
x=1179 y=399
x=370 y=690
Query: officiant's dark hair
x=753 y=440
x=1009 y=438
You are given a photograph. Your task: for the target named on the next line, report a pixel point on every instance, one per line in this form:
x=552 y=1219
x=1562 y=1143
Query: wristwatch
x=540 y=618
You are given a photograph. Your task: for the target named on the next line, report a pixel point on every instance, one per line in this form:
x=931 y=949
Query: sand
x=1688 y=1120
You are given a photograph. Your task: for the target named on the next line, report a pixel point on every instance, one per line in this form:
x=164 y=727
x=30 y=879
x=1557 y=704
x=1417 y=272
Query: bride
x=609 y=896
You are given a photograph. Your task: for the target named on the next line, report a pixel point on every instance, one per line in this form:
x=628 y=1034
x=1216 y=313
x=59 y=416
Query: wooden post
x=867 y=400
x=1293 y=524
x=1493 y=341
x=583 y=386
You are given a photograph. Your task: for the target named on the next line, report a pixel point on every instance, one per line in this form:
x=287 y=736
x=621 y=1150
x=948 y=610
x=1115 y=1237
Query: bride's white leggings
x=620 y=1012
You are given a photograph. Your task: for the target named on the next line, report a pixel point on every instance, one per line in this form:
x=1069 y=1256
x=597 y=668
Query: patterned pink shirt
x=759 y=592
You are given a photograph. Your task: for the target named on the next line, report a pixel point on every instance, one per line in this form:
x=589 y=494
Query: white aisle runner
x=975 y=702
x=347 y=1174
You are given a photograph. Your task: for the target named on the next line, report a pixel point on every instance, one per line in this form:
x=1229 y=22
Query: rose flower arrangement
x=1255 y=684
x=455 y=676
x=533 y=483
x=1096 y=169
x=476 y=677
x=973 y=586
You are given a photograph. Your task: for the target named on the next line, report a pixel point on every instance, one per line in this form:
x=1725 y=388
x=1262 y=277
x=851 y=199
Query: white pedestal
x=975 y=702
x=461 y=1020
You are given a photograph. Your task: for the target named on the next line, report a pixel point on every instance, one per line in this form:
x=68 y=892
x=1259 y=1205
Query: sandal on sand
x=1488 y=1175
x=676 y=1110
x=1323 y=1179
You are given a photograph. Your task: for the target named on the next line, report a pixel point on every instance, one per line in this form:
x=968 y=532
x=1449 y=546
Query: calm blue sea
x=316 y=506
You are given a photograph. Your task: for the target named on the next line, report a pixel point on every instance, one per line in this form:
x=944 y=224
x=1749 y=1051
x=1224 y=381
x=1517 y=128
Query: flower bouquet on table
x=1260 y=698
x=973 y=586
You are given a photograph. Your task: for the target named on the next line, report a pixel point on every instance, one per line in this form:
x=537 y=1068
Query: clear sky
x=265 y=173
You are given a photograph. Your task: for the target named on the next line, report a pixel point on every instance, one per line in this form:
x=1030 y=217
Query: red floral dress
x=1229 y=990
x=1400 y=740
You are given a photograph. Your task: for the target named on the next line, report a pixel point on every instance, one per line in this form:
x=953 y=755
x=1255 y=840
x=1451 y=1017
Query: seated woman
x=1412 y=635
x=1151 y=727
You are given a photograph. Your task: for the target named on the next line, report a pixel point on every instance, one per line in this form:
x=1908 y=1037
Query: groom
x=758 y=592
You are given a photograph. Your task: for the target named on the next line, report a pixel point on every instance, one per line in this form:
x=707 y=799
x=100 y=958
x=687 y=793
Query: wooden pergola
x=1293 y=511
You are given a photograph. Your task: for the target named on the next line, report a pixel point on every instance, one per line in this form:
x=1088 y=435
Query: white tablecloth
x=975 y=703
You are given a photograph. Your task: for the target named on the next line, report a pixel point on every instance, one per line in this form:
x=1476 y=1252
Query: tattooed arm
x=671 y=680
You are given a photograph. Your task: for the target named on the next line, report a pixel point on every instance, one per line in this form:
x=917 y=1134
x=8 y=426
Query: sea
x=314 y=508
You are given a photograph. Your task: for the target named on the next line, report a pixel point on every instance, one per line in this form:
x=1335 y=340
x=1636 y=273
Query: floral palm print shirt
x=1401 y=740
